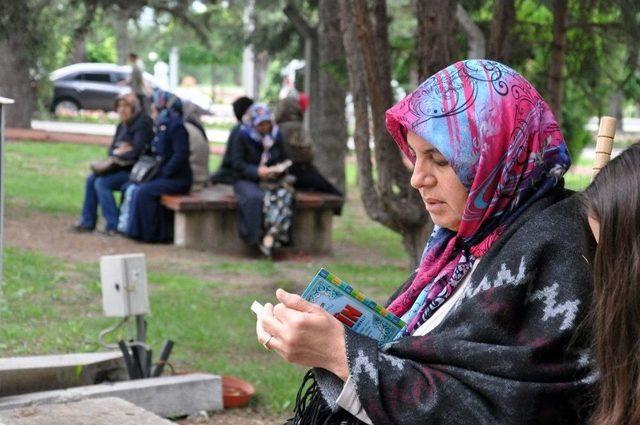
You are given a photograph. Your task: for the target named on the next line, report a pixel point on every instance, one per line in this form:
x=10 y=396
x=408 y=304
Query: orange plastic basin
x=236 y=392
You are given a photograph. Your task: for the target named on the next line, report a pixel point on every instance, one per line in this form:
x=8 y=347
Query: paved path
x=214 y=135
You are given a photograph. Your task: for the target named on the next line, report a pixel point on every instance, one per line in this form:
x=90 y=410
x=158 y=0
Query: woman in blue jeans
x=133 y=135
x=147 y=219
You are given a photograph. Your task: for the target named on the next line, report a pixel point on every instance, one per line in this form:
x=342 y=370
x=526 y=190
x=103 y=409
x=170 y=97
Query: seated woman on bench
x=148 y=221
x=132 y=138
x=254 y=155
x=493 y=309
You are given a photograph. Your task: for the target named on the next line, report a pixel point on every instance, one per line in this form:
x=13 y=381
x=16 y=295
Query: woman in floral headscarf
x=264 y=217
x=493 y=308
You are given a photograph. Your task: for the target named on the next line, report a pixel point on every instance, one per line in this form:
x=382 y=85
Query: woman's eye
x=440 y=162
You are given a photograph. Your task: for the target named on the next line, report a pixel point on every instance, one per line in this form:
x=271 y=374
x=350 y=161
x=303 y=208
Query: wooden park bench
x=207 y=220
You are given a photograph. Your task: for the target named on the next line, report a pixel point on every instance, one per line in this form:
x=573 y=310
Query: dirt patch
x=50 y=234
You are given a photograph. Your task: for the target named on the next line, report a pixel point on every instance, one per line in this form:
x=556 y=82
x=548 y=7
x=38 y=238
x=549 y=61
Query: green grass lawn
x=50 y=177
x=52 y=306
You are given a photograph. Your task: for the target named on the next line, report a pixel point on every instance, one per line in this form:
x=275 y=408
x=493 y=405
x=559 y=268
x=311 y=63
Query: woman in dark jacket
x=132 y=138
x=492 y=315
x=224 y=174
x=258 y=147
x=148 y=220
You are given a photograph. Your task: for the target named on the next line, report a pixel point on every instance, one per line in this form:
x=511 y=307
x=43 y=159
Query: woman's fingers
x=295 y=302
x=270 y=324
x=286 y=315
x=267 y=328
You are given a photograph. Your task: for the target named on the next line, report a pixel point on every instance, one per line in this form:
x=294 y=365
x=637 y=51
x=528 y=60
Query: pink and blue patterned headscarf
x=505 y=146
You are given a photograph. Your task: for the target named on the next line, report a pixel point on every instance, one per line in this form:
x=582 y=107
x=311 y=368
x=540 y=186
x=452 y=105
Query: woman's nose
x=422 y=177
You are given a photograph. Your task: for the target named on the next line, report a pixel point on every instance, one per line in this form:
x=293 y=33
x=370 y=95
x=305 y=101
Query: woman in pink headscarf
x=493 y=309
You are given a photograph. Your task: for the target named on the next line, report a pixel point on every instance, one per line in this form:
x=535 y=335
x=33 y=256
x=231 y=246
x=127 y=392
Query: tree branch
x=299 y=22
x=178 y=12
x=85 y=23
x=475 y=36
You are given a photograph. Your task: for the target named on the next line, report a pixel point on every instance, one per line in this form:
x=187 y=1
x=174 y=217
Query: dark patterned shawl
x=512 y=351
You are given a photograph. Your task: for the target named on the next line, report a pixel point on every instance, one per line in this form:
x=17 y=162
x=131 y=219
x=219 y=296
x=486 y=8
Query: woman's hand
x=123 y=148
x=264 y=172
x=303 y=333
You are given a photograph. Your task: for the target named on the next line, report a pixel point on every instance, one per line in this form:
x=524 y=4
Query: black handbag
x=145 y=169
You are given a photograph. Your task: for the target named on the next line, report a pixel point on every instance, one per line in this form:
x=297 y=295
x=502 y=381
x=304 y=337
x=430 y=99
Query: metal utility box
x=124 y=285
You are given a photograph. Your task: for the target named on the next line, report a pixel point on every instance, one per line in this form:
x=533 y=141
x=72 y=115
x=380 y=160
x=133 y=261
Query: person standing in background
x=136 y=81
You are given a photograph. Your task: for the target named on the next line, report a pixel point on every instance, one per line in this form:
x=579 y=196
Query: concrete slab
x=21 y=375
x=168 y=396
x=103 y=411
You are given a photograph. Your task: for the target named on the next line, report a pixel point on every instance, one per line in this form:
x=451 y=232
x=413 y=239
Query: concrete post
x=3 y=101
x=248 y=57
x=174 y=60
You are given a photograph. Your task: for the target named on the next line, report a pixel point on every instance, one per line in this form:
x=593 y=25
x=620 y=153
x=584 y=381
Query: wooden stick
x=604 y=143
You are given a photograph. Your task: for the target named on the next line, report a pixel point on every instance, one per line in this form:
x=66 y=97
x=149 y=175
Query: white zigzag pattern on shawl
x=503 y=277
x=552 y=309
x=363 y=364
x=584 y=358
x=395 y=362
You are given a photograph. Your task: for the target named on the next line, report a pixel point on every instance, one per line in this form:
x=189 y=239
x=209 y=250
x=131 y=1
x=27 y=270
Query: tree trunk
x=475 y=37
x=79 y=53
x=435 y=47
x=79 y=50
x=555 y=83
x=262 y=60
x=15 y=82
x=504 y=15
x=358 y=87
x=385 y=191
x=329 y=133
x=122 y=36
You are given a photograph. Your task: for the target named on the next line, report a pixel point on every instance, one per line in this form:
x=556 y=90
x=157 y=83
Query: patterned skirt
x=278 y=213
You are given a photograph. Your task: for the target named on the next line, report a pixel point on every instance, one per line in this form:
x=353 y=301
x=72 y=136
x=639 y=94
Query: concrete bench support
x=207 y=220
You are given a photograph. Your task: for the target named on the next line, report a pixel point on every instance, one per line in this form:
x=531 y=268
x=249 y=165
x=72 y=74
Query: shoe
x=79 y=228
x=108 y=232
x=267 y=245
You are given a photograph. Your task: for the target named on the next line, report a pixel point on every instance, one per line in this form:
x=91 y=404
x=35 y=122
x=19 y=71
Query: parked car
x=95 y=86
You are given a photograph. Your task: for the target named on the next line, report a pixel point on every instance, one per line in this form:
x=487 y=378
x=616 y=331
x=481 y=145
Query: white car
x=96 y=86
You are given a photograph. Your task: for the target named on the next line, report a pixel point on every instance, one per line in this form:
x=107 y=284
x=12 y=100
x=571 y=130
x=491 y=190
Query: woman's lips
x=434 y=206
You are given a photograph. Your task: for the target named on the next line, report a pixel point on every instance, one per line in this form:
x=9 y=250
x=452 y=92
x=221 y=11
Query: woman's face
x=125 y=112
x=264 y=127
x=443 y=194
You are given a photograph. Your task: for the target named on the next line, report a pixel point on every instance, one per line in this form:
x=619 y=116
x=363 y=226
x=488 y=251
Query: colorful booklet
x=352 y=308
